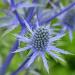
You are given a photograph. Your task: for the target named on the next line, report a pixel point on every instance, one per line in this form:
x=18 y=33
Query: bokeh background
x=37 y=68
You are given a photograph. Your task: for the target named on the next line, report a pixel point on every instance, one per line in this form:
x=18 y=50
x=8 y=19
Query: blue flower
x=67 y=19
x=40 y=42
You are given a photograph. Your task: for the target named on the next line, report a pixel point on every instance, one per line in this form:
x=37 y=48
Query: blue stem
x=16 y=44
x=58 y=14
x=22 y=65
x=9 y=57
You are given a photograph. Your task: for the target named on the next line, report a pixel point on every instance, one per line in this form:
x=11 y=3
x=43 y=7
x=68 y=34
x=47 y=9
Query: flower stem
x=16 y=44
x=22 y=65
x=58 y=14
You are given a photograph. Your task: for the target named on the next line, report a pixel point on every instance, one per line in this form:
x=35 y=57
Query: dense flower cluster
x=38 y=24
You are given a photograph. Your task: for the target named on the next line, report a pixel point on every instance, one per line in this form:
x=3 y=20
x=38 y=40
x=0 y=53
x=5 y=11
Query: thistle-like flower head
x=41 y=42
x=67 y=19
x=40 y=39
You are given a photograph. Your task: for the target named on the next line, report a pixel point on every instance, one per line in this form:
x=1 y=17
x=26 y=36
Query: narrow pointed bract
x=55 y=56
x=45 y=61
x=32 y=58
x=22 y=49
x=59 y=50
x=22 y=38
x=58 y=36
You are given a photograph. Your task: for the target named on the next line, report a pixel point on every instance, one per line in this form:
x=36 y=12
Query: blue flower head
x=41 y=37
x=41 y=42
x=67 y=19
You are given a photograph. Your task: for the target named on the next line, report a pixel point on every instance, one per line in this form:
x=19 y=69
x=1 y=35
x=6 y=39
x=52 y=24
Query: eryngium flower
x=41 y=42
x=67 y=19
